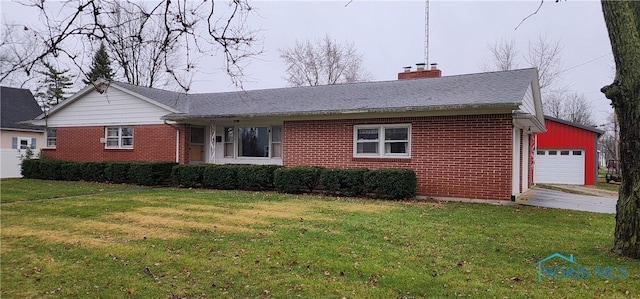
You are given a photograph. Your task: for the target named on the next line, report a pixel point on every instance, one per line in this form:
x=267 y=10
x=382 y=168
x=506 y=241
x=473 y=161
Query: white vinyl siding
x=528 y=105
x=386 y=141
x=113 y=107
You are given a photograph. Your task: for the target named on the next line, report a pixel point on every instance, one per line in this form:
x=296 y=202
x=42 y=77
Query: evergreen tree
x=100 y=66
x=56 y=85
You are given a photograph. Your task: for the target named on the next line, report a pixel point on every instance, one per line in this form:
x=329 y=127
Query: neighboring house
x=566 y=153
x=17 y=105
x=465 y=136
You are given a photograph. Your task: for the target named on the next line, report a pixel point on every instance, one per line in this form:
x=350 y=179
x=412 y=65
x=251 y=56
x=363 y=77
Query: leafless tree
x=570 y=106
x=547 y=57
x=542 y=54
x=168 y=29
x=504 y=56
x=578 y=109
x=323 y=62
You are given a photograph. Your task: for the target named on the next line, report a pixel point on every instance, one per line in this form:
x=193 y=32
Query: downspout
x=178 y=146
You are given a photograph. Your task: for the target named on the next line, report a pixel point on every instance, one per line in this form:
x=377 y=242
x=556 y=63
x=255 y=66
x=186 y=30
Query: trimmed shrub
x=188 y=176
x=150 y=173
x=255 y=177
x=346 y=182
x=93 y=171
x=391 y=183
x=50 y=169
x=70 y=171
x=220 y=177
x=30 y=169
x=117 y=172
x=294 y=179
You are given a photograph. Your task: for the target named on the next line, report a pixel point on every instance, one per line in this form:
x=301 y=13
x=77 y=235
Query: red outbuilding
x=566 y=153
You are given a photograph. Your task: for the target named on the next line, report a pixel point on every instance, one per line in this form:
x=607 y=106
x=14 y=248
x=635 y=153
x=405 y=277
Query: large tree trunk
x=623 y=23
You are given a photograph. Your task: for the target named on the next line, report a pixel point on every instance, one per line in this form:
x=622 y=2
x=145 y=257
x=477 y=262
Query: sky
x=391 y=35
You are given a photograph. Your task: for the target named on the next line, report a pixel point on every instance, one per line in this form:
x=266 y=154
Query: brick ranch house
x=465 y=136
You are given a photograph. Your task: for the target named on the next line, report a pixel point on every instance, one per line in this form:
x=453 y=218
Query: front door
x=196 y=152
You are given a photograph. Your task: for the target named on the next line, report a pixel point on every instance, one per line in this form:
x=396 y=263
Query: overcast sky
x=390 y=35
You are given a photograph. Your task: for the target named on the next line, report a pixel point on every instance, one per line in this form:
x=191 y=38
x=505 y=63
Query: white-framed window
x=253 y=142
x=23 y=143
x=119 y=137
x=51 y=135
x=392 y=140
x=228 y=142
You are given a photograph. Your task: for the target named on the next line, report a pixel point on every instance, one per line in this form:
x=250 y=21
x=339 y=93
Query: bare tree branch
x=324 y=62
x=172 y=34
x=531 y=15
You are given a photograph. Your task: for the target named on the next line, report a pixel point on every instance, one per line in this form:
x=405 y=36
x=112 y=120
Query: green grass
x=12 y=190
x=155 y=243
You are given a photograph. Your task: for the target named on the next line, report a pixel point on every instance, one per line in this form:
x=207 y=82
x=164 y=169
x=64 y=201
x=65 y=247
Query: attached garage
x=566 y=153
x=560 y=167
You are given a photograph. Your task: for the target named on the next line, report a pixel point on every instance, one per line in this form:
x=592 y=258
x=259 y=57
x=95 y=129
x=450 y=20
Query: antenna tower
x=426 y=32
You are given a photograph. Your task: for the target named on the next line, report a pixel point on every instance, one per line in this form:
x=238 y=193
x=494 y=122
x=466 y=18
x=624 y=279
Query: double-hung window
x=393 y=140
x=253 y=142
x=51 y=137
x=119 y=137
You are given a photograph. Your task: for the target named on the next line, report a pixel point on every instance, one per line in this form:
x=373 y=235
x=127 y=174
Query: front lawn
x=12 y=190
x=164 y=242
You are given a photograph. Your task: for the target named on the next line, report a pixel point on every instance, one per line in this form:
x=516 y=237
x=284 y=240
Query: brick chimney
x=420 y=72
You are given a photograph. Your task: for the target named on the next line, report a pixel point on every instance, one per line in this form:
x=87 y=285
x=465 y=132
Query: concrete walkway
x=560 y=200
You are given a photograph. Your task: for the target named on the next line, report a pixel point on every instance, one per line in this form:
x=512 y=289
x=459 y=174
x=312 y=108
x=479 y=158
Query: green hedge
x=93 y=171
x=255 y=177
x=150 y=174
x=142 y=173
x=346 y=182
x=228 y=176
x=50 y=169
x=69 y=171
x=381 y=183
x=30 y=169
x=391 y=183
x=220 y=177
x=188 y=175
x=117 y=172
x=296 y=179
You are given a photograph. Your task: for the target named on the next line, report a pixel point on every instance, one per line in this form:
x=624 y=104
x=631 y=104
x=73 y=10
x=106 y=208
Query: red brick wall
x=150 y=143
x=453 y=156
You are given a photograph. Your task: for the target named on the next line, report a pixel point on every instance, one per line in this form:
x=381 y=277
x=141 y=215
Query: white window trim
x=120 y=146
x=47 y=138
x=381 y=141
x=27 y=139
x=236 y=143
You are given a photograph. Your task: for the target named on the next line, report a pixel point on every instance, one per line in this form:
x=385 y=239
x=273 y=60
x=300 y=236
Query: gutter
x=185 y=116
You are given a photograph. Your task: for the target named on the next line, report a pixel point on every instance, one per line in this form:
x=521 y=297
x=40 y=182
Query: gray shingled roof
x=17 y=104
x=504 y=89
x=494 y=89
x=175 y=100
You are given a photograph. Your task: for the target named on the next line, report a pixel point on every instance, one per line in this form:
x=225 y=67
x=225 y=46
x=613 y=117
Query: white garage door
x=559 y=167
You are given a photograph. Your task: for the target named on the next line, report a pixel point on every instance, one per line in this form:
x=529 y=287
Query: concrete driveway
x=548 y=198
